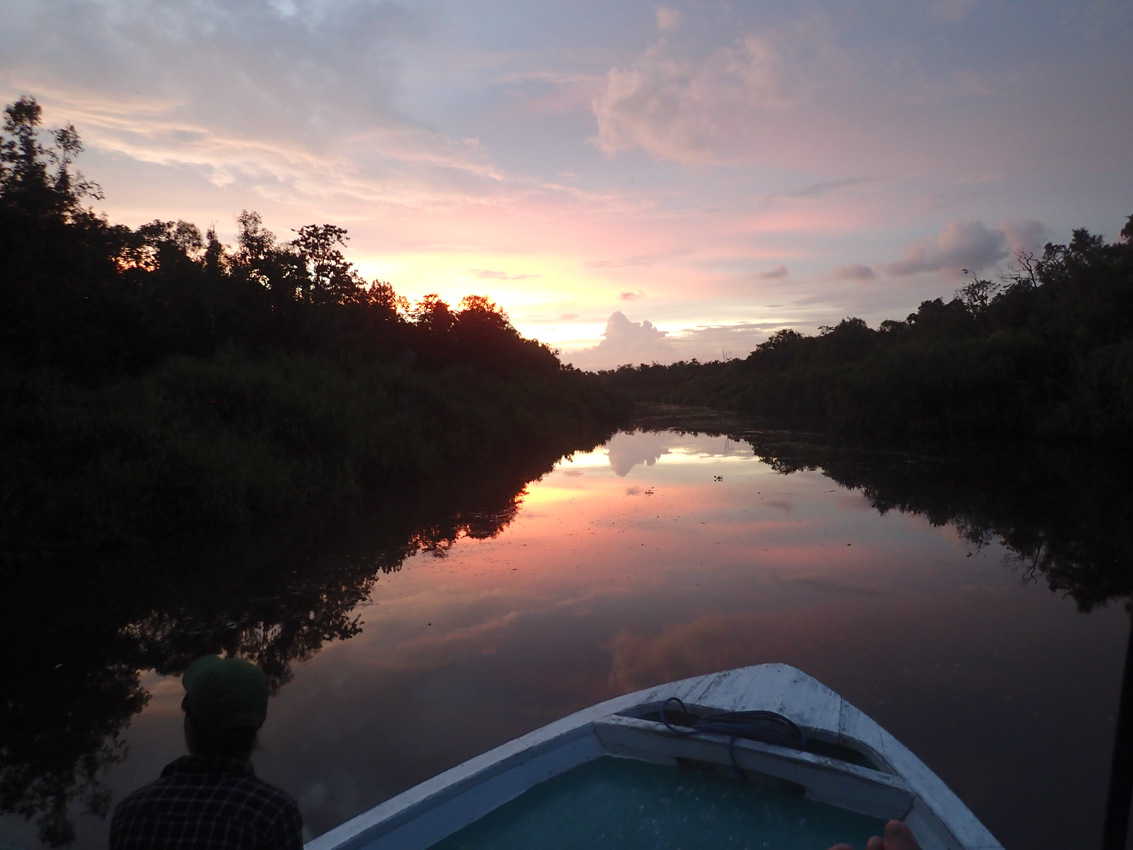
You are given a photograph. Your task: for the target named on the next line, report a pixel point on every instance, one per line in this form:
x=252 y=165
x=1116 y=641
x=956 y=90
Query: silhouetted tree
x=37 y=179
x=325 y=275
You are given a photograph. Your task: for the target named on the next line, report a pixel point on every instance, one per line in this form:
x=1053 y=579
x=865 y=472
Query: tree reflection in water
x=86 y=631
x=1066 y=515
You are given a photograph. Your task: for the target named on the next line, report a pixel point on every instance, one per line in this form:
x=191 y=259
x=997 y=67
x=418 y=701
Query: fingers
x=899 y=837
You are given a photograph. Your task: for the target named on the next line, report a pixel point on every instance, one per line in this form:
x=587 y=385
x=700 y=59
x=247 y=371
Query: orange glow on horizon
x=543 y=296
x=539 y=495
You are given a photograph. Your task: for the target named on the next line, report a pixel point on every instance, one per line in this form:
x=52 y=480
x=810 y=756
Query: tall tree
x=325 y=275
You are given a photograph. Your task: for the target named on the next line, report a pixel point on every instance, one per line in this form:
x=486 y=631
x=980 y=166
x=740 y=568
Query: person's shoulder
x=135 y=806
x=138 y=796
x=270 y=796
x=276 y=811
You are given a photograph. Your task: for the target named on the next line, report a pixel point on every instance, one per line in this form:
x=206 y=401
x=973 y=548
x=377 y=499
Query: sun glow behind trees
x=546 y=296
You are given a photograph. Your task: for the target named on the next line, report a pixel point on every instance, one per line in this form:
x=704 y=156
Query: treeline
x=1046 y=353
x=154 y=379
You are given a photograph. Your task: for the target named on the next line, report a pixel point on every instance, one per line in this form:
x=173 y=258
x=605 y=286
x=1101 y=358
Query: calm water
x=657 y=556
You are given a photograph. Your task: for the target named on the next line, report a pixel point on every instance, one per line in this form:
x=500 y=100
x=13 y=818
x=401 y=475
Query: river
x=979 y=619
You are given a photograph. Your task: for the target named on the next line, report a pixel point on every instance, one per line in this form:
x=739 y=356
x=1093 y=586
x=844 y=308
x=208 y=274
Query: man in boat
x=212 y=798
x=897 y=837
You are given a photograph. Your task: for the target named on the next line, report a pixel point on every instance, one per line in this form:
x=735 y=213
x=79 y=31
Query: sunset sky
x=631 y=181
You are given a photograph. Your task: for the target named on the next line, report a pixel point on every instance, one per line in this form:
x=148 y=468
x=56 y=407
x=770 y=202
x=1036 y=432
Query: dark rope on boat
x=735 y=724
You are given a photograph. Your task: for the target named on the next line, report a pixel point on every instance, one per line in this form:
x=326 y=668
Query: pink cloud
x=668 y=18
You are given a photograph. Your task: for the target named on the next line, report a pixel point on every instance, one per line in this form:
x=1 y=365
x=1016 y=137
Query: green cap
x=226 y=693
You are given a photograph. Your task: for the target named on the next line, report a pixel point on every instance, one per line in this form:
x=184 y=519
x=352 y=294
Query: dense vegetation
x=1046 y=353
x=154 y=379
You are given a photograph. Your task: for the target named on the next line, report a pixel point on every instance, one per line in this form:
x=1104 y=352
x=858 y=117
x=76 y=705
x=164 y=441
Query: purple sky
x=631 y=181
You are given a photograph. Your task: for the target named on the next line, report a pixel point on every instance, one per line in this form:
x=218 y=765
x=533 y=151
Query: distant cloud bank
x=969 y=245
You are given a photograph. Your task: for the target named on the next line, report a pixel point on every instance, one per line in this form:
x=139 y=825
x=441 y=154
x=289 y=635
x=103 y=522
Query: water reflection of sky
x=625 y=450
x=674 y=555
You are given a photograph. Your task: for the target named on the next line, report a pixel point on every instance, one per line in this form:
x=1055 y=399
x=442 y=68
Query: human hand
x=897 y=837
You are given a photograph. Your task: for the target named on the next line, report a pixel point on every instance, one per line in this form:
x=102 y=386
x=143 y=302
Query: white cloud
x=960 y=245
x=627 y=450
x=774 y=274
x=625 y=341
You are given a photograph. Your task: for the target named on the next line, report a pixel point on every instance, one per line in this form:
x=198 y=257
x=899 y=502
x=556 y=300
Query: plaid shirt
x=207 y=804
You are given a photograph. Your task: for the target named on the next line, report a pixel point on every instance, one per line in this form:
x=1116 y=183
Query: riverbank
x=1045 y=355
x=235 y=440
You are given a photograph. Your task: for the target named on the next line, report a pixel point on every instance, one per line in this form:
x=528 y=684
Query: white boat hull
x=901 y=787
